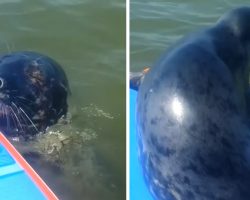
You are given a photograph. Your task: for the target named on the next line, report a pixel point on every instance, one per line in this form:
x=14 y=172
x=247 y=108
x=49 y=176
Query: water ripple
x=156 y=25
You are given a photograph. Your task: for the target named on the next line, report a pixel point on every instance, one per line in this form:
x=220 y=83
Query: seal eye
x=1 y=82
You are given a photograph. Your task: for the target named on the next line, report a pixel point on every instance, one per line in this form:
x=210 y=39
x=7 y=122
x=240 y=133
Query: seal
x=193 y=115
x=33 y=93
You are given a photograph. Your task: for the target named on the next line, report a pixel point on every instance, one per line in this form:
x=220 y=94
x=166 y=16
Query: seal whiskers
x=29 y=119
x=7 y=117
x=17 y=119
x=25 y=117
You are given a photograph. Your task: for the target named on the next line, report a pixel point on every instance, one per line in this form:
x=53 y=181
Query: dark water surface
x=83 y=158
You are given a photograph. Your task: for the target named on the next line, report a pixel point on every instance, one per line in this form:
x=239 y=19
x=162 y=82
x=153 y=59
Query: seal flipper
x=136 y=78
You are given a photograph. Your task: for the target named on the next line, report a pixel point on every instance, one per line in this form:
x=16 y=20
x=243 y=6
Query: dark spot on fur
x=154 y=121
x=186 y=180
x=225 y=143
x=192 y=167
x=160 y=146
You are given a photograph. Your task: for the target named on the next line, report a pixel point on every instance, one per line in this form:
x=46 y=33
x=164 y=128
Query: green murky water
x=156 y=25
x=84 y=158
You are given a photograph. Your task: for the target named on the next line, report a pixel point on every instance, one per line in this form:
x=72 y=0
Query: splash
x=93 y=111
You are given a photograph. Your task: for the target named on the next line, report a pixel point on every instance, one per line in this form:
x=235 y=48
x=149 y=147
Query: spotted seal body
x=193 y=115
x=33 y=93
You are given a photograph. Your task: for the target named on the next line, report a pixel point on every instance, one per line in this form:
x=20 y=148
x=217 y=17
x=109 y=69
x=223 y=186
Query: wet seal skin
x=33 y=93
x=193 y=115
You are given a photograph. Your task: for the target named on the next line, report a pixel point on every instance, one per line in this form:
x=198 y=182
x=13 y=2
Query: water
x=156 y=25
x=87 y=37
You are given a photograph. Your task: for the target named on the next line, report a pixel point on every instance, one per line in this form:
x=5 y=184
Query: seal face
x=192 y=115
x=33 y=93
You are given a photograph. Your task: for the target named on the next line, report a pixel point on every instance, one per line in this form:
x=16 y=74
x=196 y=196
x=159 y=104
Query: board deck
x=138 y=188
x=18 y=181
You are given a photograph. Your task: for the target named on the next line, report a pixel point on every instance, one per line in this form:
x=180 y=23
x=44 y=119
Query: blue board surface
x=138 y=188
x=15 y=184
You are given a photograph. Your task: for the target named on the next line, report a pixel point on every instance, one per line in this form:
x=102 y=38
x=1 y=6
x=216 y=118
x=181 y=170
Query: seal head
x=33 y=93
x=193 y=115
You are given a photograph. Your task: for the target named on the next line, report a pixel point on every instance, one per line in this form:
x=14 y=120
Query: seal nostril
x=1 y=82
